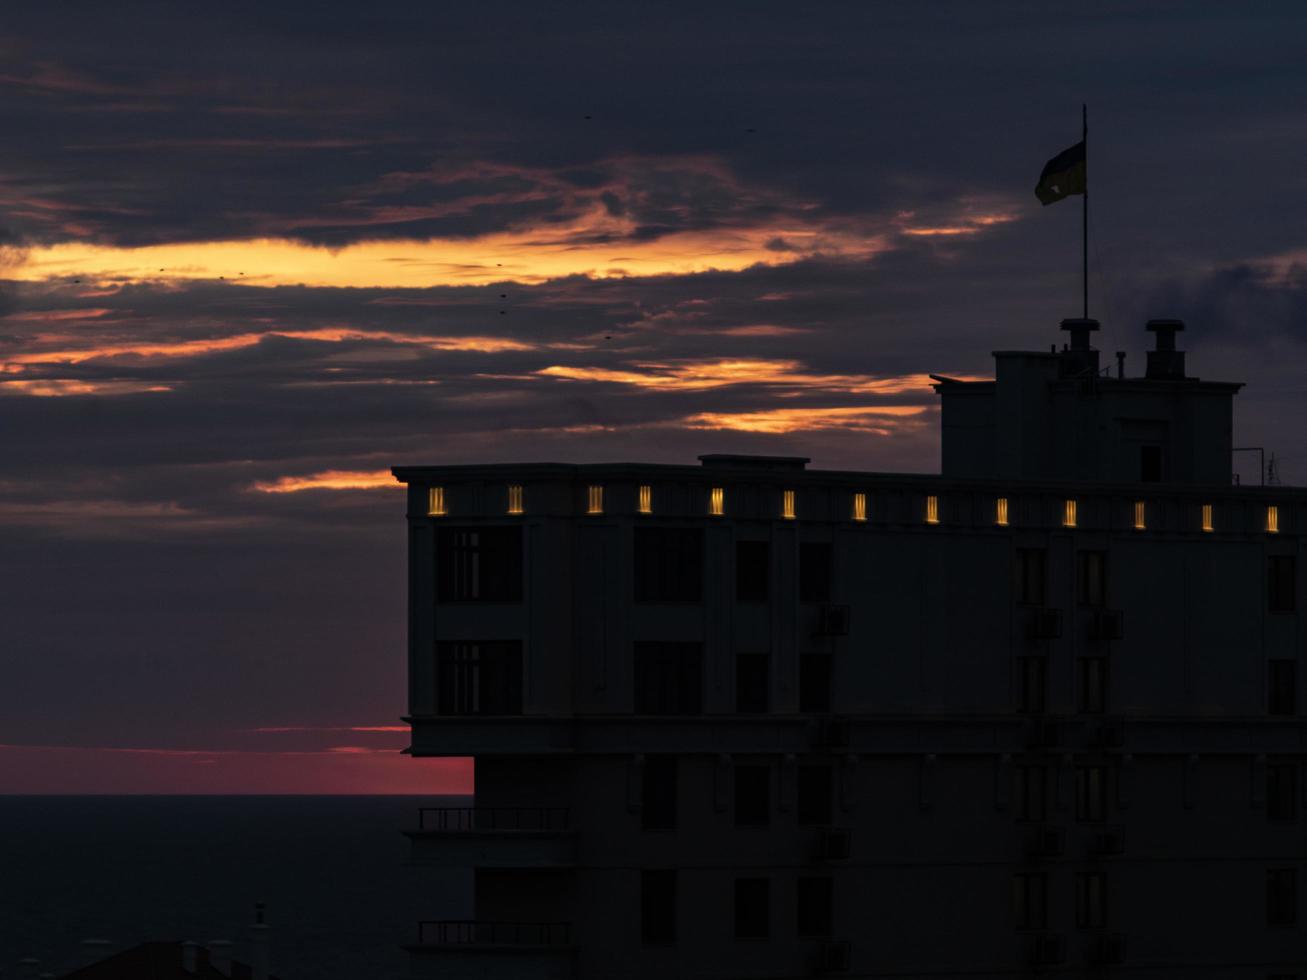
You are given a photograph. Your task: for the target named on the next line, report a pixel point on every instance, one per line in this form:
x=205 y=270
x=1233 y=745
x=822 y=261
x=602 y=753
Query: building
x=1039 y=713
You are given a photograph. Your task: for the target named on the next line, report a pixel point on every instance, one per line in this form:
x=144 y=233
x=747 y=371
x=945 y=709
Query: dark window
x=814 y=791
x=658 y=793
x=1282 y=687
x=479 y=678
x=814 y=571
x=1091 y=793
x=1029 y=782
x=1279 y=583
x=1031 y=674
x=668 y=678
x=1091 y=582
x=814 y=682
x=479 y=564
x=1030 y=576
x=816 y=907
x=752 y=796
x=752 y=908
x=1282 y=792
x=658 y=907
x=752 y=683
x=1281 y=896
x=752 y=570
x=1150 y=464
x=1091 y=900
x=1091 y=691
x=668 y=564
x=1029 y=900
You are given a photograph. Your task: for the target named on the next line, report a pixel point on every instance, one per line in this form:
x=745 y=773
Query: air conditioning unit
x=1042 y=733
x=832 y=620
x=1106 y=624
x=833 y=844
x=833 y=956
x=1045 y=624
x=1106 y=949
x=1109 y=733
x=1108 y=840
x=1047 y=949
x=1043 y=841
x=831 y=733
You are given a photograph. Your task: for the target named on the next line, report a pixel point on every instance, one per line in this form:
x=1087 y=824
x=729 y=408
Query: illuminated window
x=859 y=506
x=436 y=501
x=646 y=500
x=1207 y=517
x=1069 y=514
x=787 y=504
x=716 y=501
x=595 y=500
x=1273 y=519
x=515 y=499
x=1000 y=511
x=1141 y=513
x=932 y=509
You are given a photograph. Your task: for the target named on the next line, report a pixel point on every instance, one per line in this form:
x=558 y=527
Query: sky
x=252 y=256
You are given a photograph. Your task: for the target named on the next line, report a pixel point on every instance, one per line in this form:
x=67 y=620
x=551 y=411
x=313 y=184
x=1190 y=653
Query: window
x=1091 y=689
x=594 y=500
x=658 y=793
x=658 y=907
x=1030 y=900
x=1280 y=583
x=932 y=509
x=479 y=564
x=1281 y=896
x=816 y=906
x=814 y=792
x=1000 y=511
x=1150 y=464
x=515 y=499
x=1031 y=673
x=814 y=571
x=1030 y=783
x=1069 y=514
x=717 y=501
x=479 y=678
x=1091 y=900
x=1207 y=518
x=668 y=564
x=1092 y=579
x=668 y=678
x=752 y=683
x=1281 y=792
x=1273 y=519
x=814 y=682
x=752 y=796
x=859 y=506
x=752 y=570
x=1030 y=576
x=436 y=502
x=644 y=502
x=752 y=908
x=1141 y=515
x=1282 y=687
x=1091 y=793
x=787 y=504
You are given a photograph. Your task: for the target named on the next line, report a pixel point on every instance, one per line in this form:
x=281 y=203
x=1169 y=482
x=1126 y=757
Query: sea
x=340 y=898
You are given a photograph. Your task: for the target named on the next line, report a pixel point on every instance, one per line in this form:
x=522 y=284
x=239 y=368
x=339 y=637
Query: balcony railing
x=459 y=932
x=456 y=819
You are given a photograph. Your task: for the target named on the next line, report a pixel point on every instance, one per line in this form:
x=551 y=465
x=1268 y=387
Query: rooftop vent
x=1080 y=357
x=728 y=461
x=1165 y=362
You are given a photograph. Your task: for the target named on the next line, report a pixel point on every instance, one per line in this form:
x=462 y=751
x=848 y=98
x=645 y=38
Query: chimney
x=1165 y=362
x=1080 y=357
x=190 y=956
x=220 y=955
x=259 y=945
x=1120 y=364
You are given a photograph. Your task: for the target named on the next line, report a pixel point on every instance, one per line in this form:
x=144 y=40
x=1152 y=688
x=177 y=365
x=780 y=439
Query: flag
x=1062 y=176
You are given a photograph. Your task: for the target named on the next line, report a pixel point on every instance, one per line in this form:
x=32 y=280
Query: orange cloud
x=330 y=480
x=881 y=420
x=59 y=387
x=701 y=375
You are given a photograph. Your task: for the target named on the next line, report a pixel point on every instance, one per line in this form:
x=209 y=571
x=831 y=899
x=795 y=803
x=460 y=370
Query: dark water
x=331 y=871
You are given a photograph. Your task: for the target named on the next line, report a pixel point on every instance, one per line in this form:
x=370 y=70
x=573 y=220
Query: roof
x=158 y=961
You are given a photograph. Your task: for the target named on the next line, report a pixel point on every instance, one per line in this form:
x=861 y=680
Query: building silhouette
x=1037 y=714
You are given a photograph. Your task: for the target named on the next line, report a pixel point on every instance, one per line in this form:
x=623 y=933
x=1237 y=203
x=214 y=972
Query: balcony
x=472 y=950
x=493 y=837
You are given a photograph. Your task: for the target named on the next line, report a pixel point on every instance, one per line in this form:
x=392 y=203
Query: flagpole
x=1084 y=224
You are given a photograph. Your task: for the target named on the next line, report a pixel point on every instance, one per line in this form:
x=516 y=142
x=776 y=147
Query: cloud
x=330 y=480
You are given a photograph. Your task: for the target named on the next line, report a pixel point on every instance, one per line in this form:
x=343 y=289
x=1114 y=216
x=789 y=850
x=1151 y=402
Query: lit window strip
x=1272 y=519
x=1069 y=513
x=859 y=506
x=787 y=504
x=645 y=503
x=1207 y=518
x=716 y=501
x=595 y=500
x=515 y=498
x=1141 y=515
x=436 y=502
x=932 y=509
x=1000 y=511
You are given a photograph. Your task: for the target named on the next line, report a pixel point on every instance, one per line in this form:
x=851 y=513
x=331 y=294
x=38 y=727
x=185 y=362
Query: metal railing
x=469 y=818
x=463 y=932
